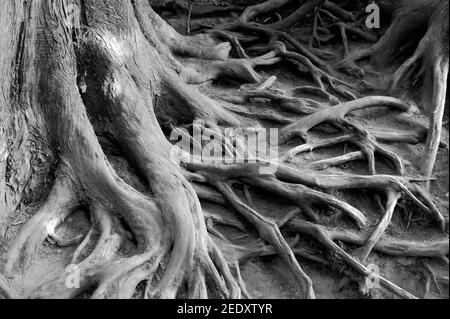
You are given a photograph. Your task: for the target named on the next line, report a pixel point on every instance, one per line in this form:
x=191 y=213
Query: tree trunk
x=124 y=65
x=80 y=77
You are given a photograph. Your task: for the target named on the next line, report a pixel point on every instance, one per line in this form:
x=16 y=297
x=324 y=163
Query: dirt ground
x=268 y=277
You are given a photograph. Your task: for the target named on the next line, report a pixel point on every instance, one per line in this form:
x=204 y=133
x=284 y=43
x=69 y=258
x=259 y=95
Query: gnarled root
x=161 y=236
x=337 y=113
x=391 y=202
x=316 y=73
x=301 y=195
x=168 y=227
x=247 y=174
x=61 y=202
x=5 y=289
x=363 y=138
x=433 y=51
x=323 y=237
x=239 y=69
x=431 y=55
x=269 y=231
x=286 y=103
x=440 y=74
x=199 y=46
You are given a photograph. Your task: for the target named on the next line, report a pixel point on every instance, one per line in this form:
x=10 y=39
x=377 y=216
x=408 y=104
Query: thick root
x=440 y=74
x=162 y=236
x=327 y=241
x=61 y=202
x=269 y=231
x=239 y=69
x=337 y=114
x=391 y=202
x=5 y=289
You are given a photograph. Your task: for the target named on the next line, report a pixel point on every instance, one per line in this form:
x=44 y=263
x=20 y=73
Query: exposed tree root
x=345 y=28
x=200 y=46
x=431 y=56
x=325 y=239
x=337 y=114
x=368 y=141
x=393 y=190
x=318 y=92
x=306 y=198
x=363 y=139
x=269 y=231
x=316 y=73
x=391 y=202
x=303 y=57
x=393 y=247
x=61 y=203
x=186 y=246
x=286 y=103
x=117 y=77
x=240 y=69
x=437 y=249
x=5 y=289
x=440 y=74
x=263 y=7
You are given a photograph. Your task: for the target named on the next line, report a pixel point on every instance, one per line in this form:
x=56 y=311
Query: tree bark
x=79 y=77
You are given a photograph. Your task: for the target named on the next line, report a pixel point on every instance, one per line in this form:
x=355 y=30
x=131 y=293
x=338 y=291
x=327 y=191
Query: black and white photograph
x=246 y=151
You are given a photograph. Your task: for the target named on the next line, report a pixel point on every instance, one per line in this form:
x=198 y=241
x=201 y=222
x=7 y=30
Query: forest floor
x=268 y=277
